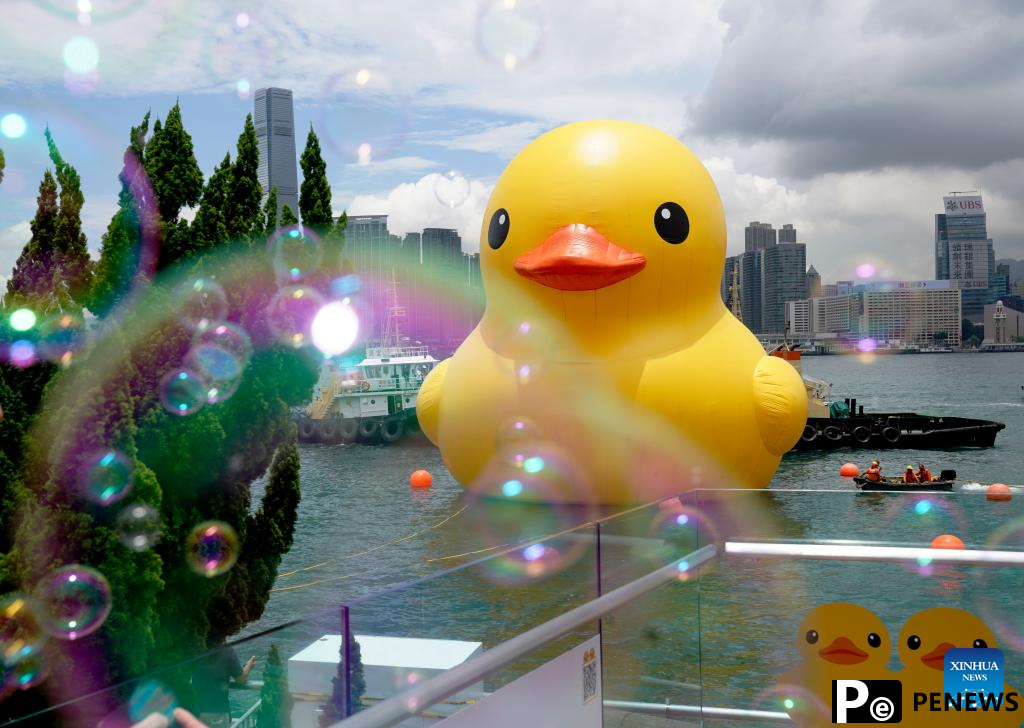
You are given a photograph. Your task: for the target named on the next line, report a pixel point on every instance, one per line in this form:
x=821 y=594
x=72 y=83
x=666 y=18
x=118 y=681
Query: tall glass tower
x=963 y=249
x=275 y=132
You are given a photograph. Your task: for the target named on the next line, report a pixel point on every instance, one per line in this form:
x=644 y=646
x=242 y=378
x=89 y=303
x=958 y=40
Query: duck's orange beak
x=936 y=659
x=842 y=651
x=579 y=258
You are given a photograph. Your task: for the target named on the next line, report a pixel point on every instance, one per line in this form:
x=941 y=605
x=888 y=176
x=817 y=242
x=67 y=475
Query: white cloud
x=392 y=165
x=504 y=140
x=413 y=206
x=12 y=240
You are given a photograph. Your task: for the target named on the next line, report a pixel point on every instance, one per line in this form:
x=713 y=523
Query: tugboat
x=375 y=400
x=832 y=424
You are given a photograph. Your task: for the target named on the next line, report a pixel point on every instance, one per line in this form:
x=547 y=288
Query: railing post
x=346 y=648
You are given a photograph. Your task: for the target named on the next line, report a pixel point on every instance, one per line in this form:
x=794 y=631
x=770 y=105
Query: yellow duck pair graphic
x=602 y=251
x=842 y=641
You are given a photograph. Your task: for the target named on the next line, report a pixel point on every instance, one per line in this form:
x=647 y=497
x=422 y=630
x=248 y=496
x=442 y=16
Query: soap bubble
x=212 y=548
x=999 y=607
x=99 y=12
x=510 y=33
x=22 y=353
x=107 y=477
x=13 y=125
x=242 y=20
x=74 y=601
x=675 y=531
x=222 y=39
x=220 y=353
x=151 y=697
x=335 y=328
x=61 y=336
x=21 y=632
x=22 y=319
x=201 y=303
x=138 y=526
x=370 y=119
x=81 y=55
x=528 y=494
x=296 y=252
x=451 y=189
x=346 y=285
x=183 y=392
x=26 y=670
x=290 y=314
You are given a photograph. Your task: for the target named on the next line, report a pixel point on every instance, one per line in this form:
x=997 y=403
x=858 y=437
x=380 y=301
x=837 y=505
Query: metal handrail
x=703 y=712
x=248 y=718
x=855 y=552
x=398 y=708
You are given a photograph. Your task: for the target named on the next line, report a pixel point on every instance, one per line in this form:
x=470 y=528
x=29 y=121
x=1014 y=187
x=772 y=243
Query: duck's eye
x=497 y=231
x=811 y=637
x=914 y=642
x=671 y=222
x=980 y=644
x=874 y=640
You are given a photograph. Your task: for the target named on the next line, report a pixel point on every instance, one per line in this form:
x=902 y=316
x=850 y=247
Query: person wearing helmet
x=924 y=474
x=909 y=476
x=874 y=472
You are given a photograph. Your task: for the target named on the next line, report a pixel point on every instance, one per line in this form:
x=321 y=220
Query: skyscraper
x=963 y=250
x=275 y=133
x=813 y=283
x=785 y=279
x=759 y=235
x=787 y=234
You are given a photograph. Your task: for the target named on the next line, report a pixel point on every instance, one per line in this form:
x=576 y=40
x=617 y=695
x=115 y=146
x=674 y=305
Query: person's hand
x=251 y=662
x=187 y=720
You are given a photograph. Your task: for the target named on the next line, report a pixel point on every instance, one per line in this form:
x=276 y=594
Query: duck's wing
x=780 y=400
x=428 y=401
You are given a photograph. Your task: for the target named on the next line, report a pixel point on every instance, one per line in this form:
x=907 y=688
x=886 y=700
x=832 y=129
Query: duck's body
x=610 y=337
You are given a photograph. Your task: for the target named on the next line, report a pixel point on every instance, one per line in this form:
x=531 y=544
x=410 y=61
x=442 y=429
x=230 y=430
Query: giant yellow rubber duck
x=922 y=647
x=602 y=251
x=837 y=641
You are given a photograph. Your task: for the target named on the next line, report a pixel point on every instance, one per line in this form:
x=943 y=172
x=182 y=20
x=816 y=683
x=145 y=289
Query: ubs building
x=963 y=250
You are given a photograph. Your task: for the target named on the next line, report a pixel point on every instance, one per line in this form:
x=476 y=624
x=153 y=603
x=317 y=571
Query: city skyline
x=856 y=173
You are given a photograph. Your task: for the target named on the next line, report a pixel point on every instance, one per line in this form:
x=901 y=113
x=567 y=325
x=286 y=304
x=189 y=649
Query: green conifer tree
x=275 y=700
x=2 y=163
x=126 y=252
x=208 y=228
x=315 y=193
x=288 y=217
x=335 y=709
x=172 y=167
x=270 y=212
x=242 y=213
x=31 y=278
x=73 y=265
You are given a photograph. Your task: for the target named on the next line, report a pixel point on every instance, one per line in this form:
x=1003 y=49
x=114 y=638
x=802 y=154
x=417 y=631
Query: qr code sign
x=589 y=674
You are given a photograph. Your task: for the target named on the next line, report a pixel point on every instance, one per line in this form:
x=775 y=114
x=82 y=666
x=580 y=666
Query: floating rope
x=375 y=548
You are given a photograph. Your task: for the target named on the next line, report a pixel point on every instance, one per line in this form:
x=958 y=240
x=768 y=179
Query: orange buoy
x=849 y=470
x=421 y=479
x=998 y=492
x=947 y=541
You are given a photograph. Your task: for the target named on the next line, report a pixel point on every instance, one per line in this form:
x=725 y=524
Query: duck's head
x=843 y=634
x=927 y=636
x=615 y=227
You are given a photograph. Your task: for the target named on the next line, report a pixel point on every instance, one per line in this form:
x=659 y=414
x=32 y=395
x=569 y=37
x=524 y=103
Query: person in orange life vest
x=923 y=473
x=873 y=473
x=909 y=476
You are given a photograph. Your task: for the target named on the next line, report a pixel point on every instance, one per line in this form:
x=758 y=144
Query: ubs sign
x=963 y=205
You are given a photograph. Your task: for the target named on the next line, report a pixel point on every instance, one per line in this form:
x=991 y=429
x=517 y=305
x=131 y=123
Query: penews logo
x=867 y=701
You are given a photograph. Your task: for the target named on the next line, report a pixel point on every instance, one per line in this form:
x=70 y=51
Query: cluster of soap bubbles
x=21 y=641
x=212 y=548
x=219 y=351
x=32 y=337
x=918 y=518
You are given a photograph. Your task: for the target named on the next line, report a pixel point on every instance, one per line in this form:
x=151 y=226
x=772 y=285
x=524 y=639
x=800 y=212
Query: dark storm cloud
x=853 y=86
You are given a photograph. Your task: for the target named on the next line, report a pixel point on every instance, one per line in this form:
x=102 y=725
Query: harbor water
x=361 y=529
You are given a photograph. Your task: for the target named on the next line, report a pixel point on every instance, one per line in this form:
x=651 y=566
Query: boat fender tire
x=891 y=435
x=833 y=433
x=862 y=434
x=328 y=430
x=368 y=429
x=810 y=433
x=307 y=429
x=349 y=429
x=392 y=430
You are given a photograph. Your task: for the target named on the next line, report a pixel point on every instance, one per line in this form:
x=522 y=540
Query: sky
x=850 y=120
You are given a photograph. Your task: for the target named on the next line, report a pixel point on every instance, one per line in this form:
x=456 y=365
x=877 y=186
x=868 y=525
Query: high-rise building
x=787 y=234
x=275 y=134
x=1003 y=325
x=889 y=312
x=813 y=283
x=751 y=276
x=784 y=279
x=964 y=252
x=758 y=236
